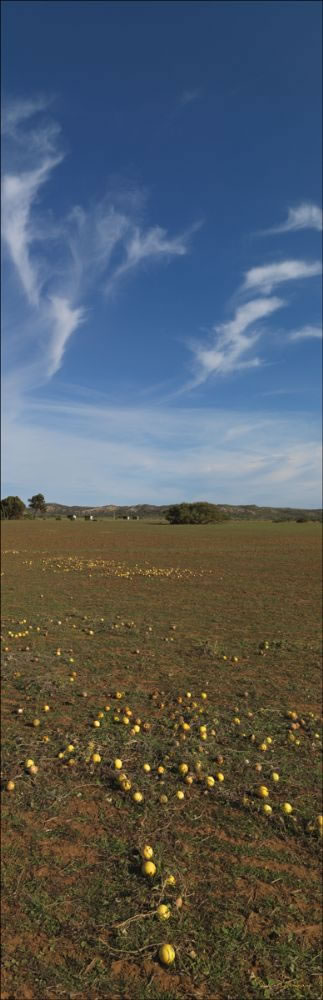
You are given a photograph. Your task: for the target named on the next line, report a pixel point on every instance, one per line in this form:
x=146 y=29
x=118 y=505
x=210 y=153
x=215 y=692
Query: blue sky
x=161 y=257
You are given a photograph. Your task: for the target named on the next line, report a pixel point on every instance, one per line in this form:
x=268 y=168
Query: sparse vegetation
x=184 y=659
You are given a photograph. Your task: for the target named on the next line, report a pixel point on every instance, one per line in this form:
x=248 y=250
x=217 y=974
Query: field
x=216 y=627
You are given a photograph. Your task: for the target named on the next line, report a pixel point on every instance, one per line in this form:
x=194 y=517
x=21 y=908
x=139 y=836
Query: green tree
x=195 y=513
x=12 y=508
x=37 y=503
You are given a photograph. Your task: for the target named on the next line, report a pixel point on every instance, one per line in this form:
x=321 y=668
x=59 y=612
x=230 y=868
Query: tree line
x=13 y=508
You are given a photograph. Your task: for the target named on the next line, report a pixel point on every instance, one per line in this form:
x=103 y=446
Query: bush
x=12 y=508
x=195 y=513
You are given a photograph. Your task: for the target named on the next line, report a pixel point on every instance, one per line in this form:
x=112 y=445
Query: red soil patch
x=278 y=866
x=169 y=982
x=66 y=852
x=310 y=933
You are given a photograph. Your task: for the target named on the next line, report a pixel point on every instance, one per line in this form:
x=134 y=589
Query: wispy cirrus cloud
x=94 y=248
x=15 y=112
x=266 y=277
x=19 y=193
x=65 y=320
x=303 y=216
x=140 y=247
x=306 y=333
x=235 y=339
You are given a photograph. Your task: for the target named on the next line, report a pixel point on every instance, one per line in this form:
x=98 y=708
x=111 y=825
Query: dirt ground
x=193 y=626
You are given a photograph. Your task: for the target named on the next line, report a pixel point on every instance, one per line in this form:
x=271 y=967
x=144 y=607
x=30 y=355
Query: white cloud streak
x=232 y=342
x=65 y=320
x=19 y=192
x=303 y=216
x=268 y=276
x=15 y=112
x=306 y=333
x=147 y=246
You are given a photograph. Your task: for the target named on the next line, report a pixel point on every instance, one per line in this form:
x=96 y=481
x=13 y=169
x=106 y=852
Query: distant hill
x=243 y=512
